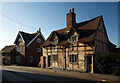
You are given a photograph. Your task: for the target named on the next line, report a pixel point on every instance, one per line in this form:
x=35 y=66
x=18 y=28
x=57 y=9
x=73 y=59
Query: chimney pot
x=70 y=10
x=73 y=10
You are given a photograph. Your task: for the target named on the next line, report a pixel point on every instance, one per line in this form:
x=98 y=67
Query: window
x=73 y=39
x=38 y=40
x=38 y=49
x=54 y=57
x=19 y=40
x=30 y=58
x=18 y=48
x=22 y=48
x=55 y=41
x=17 y=58
x=73 y=58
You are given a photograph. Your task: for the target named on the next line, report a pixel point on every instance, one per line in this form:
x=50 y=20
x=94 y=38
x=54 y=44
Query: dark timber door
x=48 y=61
x=44 y=62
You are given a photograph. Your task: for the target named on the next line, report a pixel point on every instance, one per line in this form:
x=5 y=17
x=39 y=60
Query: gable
x=18 y=38
x=54 y=36
x=72 y=32
x=101 y=33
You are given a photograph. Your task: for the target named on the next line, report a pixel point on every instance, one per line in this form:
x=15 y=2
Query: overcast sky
x=50 y=16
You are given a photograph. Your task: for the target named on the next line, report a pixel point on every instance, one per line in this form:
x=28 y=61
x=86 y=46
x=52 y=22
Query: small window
x=38 y=40
x=73 y=39
x=30 y=58
x=55 y=41
x=17 y=58
x=19 y=39
x=54 y=57
x=38 y=49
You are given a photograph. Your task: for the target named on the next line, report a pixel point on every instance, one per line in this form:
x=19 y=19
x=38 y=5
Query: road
x=14 y=77
x=28 y=75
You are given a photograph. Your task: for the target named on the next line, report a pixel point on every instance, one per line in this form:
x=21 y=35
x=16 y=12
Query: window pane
x=56 y=58
x=22 y=48
x=69 y=58
x=74 y=38
x=72 y=58
x=76 y=58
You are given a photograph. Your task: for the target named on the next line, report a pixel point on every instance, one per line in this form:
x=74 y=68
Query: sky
x=50 y=16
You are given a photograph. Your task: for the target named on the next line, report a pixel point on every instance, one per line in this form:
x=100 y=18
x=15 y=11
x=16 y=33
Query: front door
x=44 y=62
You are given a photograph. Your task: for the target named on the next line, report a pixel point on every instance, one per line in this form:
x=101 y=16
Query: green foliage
x=107 y=63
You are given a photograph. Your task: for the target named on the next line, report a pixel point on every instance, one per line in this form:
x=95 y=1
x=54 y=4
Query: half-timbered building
x=75 y=46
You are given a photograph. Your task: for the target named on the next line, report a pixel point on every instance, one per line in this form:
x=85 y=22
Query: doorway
x=89 y=63
x=48 y=61
x=44 y=62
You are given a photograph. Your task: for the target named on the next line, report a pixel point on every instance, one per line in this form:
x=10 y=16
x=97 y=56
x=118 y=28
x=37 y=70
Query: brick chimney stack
x=71 y=18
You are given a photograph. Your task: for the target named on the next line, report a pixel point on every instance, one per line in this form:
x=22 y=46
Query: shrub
x=107 y=63
x=116 y=70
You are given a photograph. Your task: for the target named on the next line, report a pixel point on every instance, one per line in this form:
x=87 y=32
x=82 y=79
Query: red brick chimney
x=71 y=18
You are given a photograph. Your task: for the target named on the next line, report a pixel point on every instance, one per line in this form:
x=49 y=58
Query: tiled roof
x=85 y=29
x=8 y=49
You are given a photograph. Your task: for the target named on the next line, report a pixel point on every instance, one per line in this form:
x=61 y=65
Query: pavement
x=65 y=73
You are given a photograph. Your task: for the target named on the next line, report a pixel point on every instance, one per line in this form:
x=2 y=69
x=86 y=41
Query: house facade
x=29 y=48
x=75 y=46
x=8 y=53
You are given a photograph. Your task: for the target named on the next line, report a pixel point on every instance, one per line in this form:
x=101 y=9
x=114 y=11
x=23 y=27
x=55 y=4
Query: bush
x=107 y=64
x=116 y=70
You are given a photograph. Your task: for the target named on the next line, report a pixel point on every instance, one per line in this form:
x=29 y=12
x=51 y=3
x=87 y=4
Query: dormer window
x=55 y=41
x=73 y=39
